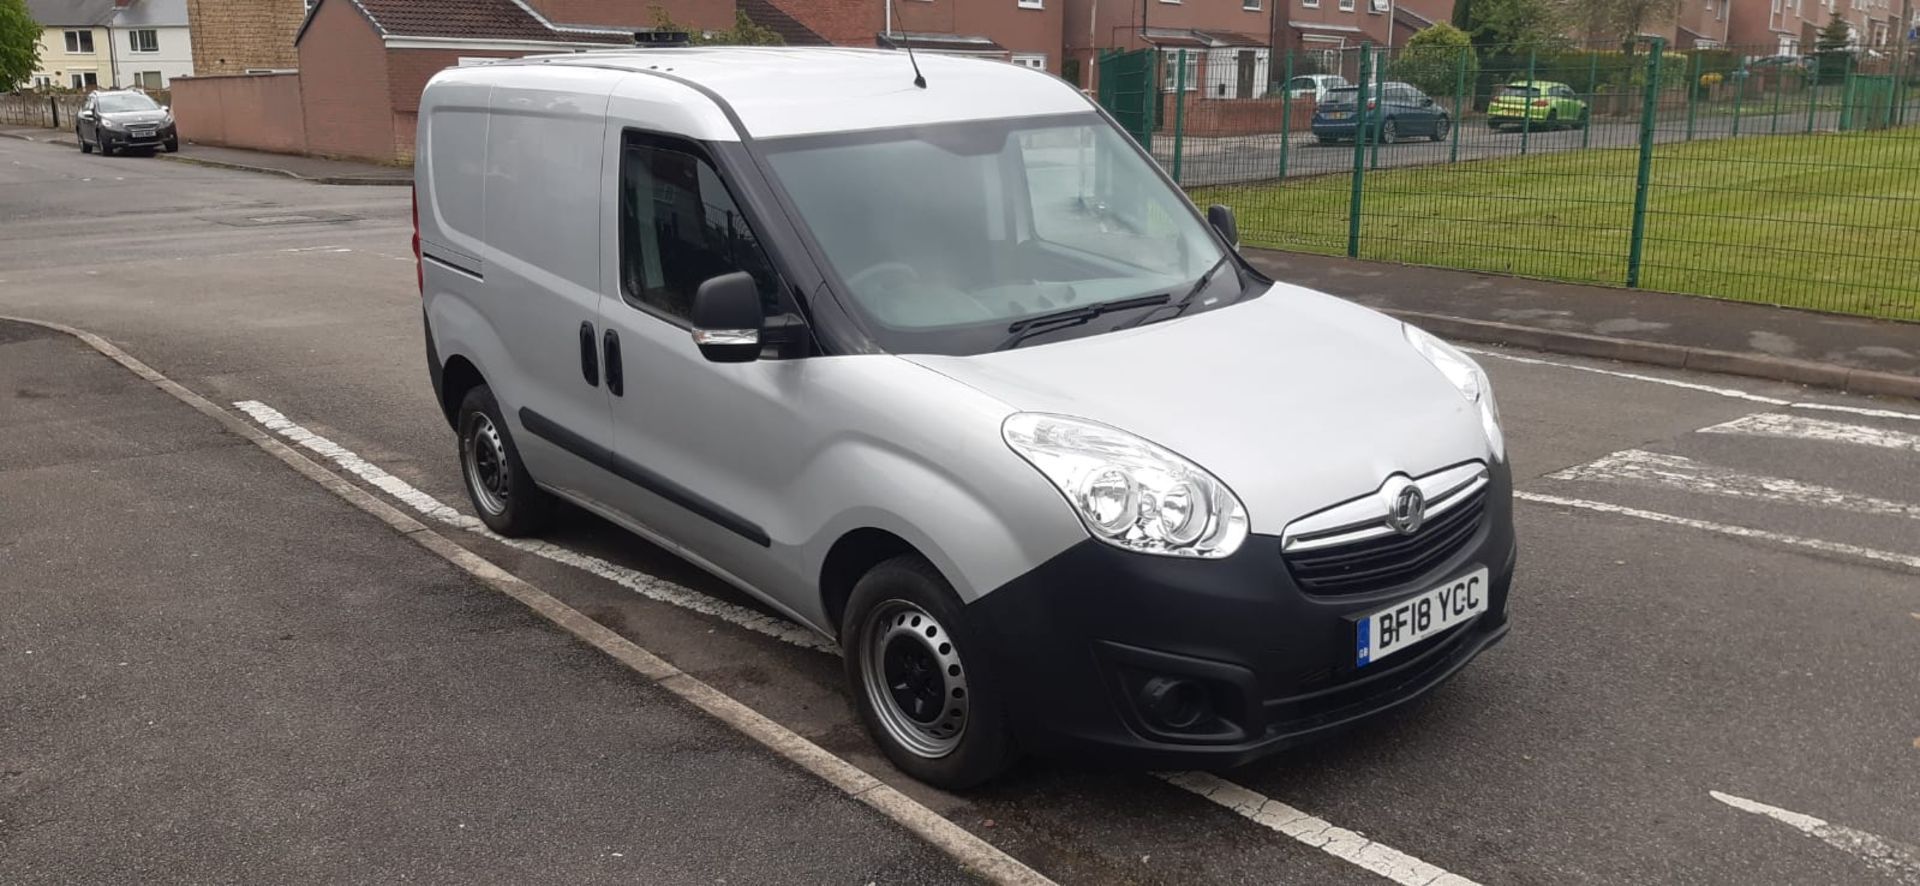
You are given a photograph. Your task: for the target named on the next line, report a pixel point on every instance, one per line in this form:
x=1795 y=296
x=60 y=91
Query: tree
x=1621 y=20
x=1834 y=46
x=1516 y=24
x=19 y=44
x=745 y=31
x=1432 y=60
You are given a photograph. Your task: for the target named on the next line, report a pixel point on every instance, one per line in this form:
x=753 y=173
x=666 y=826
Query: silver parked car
x=120 y=120
x=955 y=375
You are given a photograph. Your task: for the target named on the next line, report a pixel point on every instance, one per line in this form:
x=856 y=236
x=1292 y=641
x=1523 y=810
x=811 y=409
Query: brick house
x=1025 y=32
x=1792 y=27
x=241 y=36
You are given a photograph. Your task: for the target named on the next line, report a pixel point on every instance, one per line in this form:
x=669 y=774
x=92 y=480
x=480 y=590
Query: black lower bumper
x=120 y=141
x=1077 y=641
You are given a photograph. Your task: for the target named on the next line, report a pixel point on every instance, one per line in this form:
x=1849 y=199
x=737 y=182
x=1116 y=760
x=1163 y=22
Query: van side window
x=678 y=228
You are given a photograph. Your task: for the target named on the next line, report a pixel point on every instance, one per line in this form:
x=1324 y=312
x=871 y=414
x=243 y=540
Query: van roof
x=783 y=91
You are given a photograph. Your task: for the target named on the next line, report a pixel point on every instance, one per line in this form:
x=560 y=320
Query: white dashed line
x=632 y=579
x=1801 y=427
x=1679 y=472
x=1812 y=544
x=1339 y=842
x=1902 y=863
x=1730 y=393
x=1346 y=845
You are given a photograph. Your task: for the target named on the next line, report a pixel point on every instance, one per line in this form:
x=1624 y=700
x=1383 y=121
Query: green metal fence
x=1726 y=172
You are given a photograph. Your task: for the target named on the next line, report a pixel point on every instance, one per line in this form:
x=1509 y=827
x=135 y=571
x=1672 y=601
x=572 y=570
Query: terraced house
x=93 y=44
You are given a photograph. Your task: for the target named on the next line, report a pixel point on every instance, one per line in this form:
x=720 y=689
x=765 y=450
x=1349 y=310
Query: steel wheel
x=912 y=674
x=488 y=472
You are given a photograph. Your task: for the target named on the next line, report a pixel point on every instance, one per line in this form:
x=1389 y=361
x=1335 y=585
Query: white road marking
x=1800 y=427
x=1730 y=393
x=974 y=853
x=1812 y=544
x=1346 y=845
x=632 y=579
x=1339 y=842
x=1902 y=863
x=1680 y=472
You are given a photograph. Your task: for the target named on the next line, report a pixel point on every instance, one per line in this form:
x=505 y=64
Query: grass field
x=1824 y=221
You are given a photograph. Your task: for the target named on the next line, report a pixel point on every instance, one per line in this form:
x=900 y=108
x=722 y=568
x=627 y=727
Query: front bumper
x=1073 y=641
x=122 y=138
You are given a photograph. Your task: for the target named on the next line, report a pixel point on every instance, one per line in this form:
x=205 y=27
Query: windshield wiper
x=1028 y=327
x=1191 y=294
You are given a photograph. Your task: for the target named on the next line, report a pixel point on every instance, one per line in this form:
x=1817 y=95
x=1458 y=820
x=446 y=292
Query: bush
x=1433 y=60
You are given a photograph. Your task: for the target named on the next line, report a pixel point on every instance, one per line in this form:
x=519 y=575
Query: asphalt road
x=1732 y=611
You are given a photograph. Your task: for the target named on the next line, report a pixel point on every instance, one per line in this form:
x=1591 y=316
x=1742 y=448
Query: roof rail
x=655 y=37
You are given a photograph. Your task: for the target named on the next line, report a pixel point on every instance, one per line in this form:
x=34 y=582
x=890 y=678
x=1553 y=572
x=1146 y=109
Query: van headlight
x=1130 y=493
x=1468 y=378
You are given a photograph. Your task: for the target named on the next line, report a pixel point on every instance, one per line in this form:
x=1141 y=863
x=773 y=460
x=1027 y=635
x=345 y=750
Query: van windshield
x=945 y=236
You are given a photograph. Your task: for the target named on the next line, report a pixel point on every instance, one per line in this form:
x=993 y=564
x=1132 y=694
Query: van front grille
x=1386 y=561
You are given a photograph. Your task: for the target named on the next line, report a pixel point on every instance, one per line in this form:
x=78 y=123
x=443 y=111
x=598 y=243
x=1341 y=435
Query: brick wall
x=230 y=36
x=343 y=72
x=1242 y=116
x=705 y=14
x=261 y=112
x=408 y=71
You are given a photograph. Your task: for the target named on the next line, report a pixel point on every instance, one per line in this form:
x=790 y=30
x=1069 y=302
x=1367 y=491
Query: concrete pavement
x=217 y=672
x=1740 y=620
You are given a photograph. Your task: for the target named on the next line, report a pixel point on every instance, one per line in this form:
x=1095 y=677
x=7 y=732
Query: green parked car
x=1549 y=105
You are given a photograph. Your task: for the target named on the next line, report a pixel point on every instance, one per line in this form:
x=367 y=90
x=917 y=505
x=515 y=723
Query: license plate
x=1407 y=622
x=1338 y=115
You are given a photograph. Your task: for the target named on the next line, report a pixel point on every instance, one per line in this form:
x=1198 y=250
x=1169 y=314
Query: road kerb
x=969 y=850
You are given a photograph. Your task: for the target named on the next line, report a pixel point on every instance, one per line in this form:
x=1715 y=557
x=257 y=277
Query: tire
x=84 y=147
x=1494 y=125
x=1389 y=132
x=172 y=146
x=902 y=614
x=1585 y=119
x=1553 y=118
x=502 y=492
x=1440 y=129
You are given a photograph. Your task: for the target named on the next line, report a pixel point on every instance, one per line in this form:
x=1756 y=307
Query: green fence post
x=1286 y=114
x=1526 y=107
x=1740 y=92
x=1813 y=91
x=1774 y=127
x=1593 y=88
x=1459 y=99
x=1179 y=110
x=1643 y=178
x=1693 y=93
x=1359 y=156
x=1846 y=95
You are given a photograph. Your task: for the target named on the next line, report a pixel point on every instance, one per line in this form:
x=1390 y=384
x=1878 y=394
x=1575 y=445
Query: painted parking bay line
x=1813 y=544
x=1339 y=842
x=1801 y=427
x=632 y=579
x=1902 y=863
x=1346 y=845
x=1639 y=467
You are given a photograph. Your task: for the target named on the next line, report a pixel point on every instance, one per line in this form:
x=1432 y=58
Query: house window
x=1172 y=67
x=1346 y=5
x=1034 y=60
x=147 y=40
x=150 y=80
x=42 y=81
x=85 y=81
x=80 y=42
x=1250 y=5
x=1310 y=4
x=1378 y=6
x=1033 y=4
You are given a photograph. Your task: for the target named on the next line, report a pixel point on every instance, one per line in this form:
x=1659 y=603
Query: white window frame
x=1310 y=4
x=1032 y=4
x=1027 y=59
x=1347 y=5
x=1250 y=5
x=79 y=80
x=72 y=39
x=1378 y=7
x=133 y=40
x=150 y=79
x=1196 y=68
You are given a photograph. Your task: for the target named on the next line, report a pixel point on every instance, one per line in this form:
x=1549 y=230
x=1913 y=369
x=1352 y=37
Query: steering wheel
x=859 y=281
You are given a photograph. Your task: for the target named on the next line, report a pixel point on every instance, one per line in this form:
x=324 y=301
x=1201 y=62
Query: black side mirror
x=1426 y=102
x=727 y=318
x=1222 y=220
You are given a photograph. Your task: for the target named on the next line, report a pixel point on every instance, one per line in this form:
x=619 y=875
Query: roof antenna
x=918 y=79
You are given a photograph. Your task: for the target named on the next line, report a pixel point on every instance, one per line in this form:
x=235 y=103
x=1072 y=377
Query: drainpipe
x=888 y=4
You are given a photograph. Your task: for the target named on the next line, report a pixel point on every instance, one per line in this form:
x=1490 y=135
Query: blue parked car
x=1409 y=113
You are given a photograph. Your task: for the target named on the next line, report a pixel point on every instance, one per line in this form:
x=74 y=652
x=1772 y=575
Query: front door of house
x=1244 y=88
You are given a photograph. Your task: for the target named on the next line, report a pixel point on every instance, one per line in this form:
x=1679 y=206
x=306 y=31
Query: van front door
x=706 y=449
